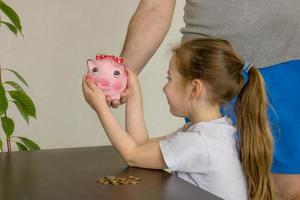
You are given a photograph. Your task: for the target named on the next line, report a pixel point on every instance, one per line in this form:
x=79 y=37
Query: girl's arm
x=134 y=114
x=146 y=155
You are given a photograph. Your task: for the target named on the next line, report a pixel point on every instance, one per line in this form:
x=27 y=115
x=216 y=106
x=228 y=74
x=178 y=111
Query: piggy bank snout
x=104 y=82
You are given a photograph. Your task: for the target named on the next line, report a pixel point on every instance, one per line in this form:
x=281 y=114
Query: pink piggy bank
x=108 y=73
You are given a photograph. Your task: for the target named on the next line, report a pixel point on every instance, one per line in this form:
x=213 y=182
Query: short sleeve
x=186 y=152
x=174 y=133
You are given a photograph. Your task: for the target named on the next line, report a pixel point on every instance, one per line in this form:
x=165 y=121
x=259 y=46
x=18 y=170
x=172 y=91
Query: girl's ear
x=197 y=88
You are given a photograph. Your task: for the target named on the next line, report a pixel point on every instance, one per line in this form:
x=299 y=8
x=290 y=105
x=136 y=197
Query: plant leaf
x=11 y=27
x=29 y=143
x=17 y=75
x=3 y=100
x=12 y=15
x=14 y=85
x=8 y=126
x=1 y=145
x=25 y=101
x=21 y=146
x=22 y=111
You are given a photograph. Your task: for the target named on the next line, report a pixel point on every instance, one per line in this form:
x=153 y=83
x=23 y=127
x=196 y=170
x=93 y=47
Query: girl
x=209 y=151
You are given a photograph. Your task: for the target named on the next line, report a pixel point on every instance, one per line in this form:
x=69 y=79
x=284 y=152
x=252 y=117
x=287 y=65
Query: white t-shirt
x=206 y=155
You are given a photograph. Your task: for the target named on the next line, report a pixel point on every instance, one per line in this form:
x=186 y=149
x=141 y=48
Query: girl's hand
x=92 y=94
x=133 y=85
x=132 y=89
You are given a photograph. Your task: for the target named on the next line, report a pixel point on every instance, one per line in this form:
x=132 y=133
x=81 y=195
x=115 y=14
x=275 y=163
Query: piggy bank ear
x=122 y=67
x=91 y=64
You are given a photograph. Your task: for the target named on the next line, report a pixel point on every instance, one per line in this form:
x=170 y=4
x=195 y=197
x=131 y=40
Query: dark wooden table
x=71 y=174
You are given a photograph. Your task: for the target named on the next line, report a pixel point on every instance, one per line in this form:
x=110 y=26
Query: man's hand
x=116 y=103
x=133 y=88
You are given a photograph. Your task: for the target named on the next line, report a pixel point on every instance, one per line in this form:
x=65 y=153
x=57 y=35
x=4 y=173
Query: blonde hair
x=219 y=66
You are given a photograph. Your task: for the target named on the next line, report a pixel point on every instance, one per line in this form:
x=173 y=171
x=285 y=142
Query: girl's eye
x=95 y=70
x=117 y=74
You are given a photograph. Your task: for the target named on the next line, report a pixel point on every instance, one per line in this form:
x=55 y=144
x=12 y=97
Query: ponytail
x=256 y=145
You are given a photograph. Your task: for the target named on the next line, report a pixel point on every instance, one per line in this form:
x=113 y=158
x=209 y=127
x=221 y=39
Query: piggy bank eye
x=117 y=74
x=95 y=70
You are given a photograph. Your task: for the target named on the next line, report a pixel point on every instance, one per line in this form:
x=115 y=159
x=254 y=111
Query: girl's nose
x=104 y=82
x=164 y=89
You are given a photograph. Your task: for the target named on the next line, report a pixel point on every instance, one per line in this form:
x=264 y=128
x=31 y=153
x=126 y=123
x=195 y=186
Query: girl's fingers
x=88 y=85
x=84 y=86
x=91 y=84
x=128 y=72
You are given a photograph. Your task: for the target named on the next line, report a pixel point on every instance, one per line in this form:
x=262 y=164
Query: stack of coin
x=119 y=180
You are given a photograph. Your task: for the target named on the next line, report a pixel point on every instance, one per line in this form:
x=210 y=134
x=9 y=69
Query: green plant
x=18 y=96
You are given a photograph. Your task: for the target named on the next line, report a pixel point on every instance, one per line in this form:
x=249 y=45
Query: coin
x=119 y=180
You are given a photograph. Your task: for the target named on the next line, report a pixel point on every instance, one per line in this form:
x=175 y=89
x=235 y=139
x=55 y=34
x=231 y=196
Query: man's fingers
x=115 y=103
x=108 y=101
x=124 y=96
x=123 y=100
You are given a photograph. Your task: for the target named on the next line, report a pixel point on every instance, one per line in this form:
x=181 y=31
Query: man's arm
x=146 y=30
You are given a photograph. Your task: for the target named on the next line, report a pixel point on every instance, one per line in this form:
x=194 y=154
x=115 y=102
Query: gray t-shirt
x=264 y=32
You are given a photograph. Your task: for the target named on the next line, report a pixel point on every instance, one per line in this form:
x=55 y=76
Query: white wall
x=59 y=36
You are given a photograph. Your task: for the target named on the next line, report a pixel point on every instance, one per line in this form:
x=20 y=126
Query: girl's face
x=176 y=91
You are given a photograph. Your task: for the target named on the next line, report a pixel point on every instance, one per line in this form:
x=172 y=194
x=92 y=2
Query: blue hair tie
x=245 y=70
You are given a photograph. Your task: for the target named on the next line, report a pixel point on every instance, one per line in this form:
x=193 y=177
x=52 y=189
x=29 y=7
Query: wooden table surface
x=72 y=173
